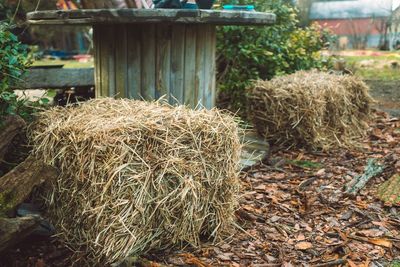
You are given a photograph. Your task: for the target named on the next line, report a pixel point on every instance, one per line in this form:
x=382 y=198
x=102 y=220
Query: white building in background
x=359 y=24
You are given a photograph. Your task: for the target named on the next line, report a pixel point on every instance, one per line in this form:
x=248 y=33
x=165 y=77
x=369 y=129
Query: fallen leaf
x=261 y=187
x=389 y=138
x=371 y=233
x=301 y=237
x=320 y=173
x=191 y=259
x=224 y=256
x=375 y=241
x=381 y=242
x=351 y=263
x=303 y=245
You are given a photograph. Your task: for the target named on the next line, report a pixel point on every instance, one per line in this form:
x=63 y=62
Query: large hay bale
x=137 y=176
x=311 y=109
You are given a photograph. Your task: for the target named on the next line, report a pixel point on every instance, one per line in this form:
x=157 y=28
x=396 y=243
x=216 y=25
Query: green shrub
x=249 y=53
x=14 y=60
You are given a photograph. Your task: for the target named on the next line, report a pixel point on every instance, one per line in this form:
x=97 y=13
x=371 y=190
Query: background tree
x=304 y=7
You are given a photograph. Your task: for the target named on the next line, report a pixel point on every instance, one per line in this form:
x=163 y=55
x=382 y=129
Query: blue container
x=205 y=4
x=190 y=6
x=239 y=7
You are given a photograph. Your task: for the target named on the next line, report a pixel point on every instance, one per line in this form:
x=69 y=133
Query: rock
x=45 y=228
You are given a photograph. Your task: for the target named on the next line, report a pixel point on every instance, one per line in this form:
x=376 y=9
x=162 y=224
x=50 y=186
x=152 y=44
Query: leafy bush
x=248 y=53
x=14 y=60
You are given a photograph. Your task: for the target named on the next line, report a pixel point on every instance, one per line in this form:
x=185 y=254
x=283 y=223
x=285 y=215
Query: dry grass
x=137 y=176
x=311 y=109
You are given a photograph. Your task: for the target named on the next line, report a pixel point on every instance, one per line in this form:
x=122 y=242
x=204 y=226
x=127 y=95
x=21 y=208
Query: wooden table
x=149 y=53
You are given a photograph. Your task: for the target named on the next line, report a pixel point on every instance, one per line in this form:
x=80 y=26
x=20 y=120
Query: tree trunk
x=9 y=128
x=16 y=229
x=17 y=184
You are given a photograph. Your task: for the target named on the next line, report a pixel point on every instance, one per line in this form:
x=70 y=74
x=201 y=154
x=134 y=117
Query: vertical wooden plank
x=163 y=68
x=148 y=38
x=121 y=62
x=177 y=64
x=189 y=85
x=200 y=65
x=97 y=59
x=214 y=69
x=134 y=61
x=112 y=41
x=209 y=70
x=107 y=60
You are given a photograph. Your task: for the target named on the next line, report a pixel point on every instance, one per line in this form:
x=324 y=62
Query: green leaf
x=44 y=100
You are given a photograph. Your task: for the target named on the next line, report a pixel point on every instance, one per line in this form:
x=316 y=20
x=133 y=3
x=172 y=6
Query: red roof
x=353 y=26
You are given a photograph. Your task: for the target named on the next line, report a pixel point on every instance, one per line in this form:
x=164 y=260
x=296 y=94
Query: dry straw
x=137 y=176
x=312 y=109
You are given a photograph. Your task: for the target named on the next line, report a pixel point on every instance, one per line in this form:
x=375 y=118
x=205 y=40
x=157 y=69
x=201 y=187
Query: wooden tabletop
x=124 y=16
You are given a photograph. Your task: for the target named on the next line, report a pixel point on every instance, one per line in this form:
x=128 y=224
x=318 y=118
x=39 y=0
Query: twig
x=357 y=223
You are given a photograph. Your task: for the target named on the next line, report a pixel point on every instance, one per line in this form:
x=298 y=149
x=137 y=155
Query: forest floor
x=293 y=212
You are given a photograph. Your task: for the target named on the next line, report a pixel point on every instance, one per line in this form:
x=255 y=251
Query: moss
x=389 y=191
x=7 y=200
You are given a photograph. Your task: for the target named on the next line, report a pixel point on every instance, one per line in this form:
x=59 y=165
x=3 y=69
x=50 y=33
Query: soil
x=387 y=95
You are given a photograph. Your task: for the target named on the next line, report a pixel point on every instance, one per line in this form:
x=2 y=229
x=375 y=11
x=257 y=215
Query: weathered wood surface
x=10 y=127
x=14 y=230
x=154 y=60
x=57 y=78
x=16 y=185
x=95 y=4
x=124 y=16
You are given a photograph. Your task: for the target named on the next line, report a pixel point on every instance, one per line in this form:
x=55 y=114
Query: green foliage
x=306 y=164
x=248 y=53
x=14 y=60
x=13 y=57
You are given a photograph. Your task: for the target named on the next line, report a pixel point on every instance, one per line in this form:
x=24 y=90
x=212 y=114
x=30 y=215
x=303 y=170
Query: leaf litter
x=297 y=215
x=300 y=214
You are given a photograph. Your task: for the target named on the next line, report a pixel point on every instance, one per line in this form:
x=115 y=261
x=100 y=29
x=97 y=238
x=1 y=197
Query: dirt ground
x=387 y=95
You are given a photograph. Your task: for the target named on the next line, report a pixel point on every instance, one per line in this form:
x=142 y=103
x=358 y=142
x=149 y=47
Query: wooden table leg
x=148 y=61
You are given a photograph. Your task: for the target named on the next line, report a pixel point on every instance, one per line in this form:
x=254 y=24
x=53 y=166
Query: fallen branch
x=371 y=170
x=17 y=184
x=13 y=230
x=10 y=126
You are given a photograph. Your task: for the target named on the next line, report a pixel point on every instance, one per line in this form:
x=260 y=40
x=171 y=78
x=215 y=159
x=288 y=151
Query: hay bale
x=311 y=109
x=137 y=176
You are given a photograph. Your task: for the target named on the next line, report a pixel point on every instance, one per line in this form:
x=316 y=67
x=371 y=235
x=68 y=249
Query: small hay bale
x=137 y=176
x=315 y=110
